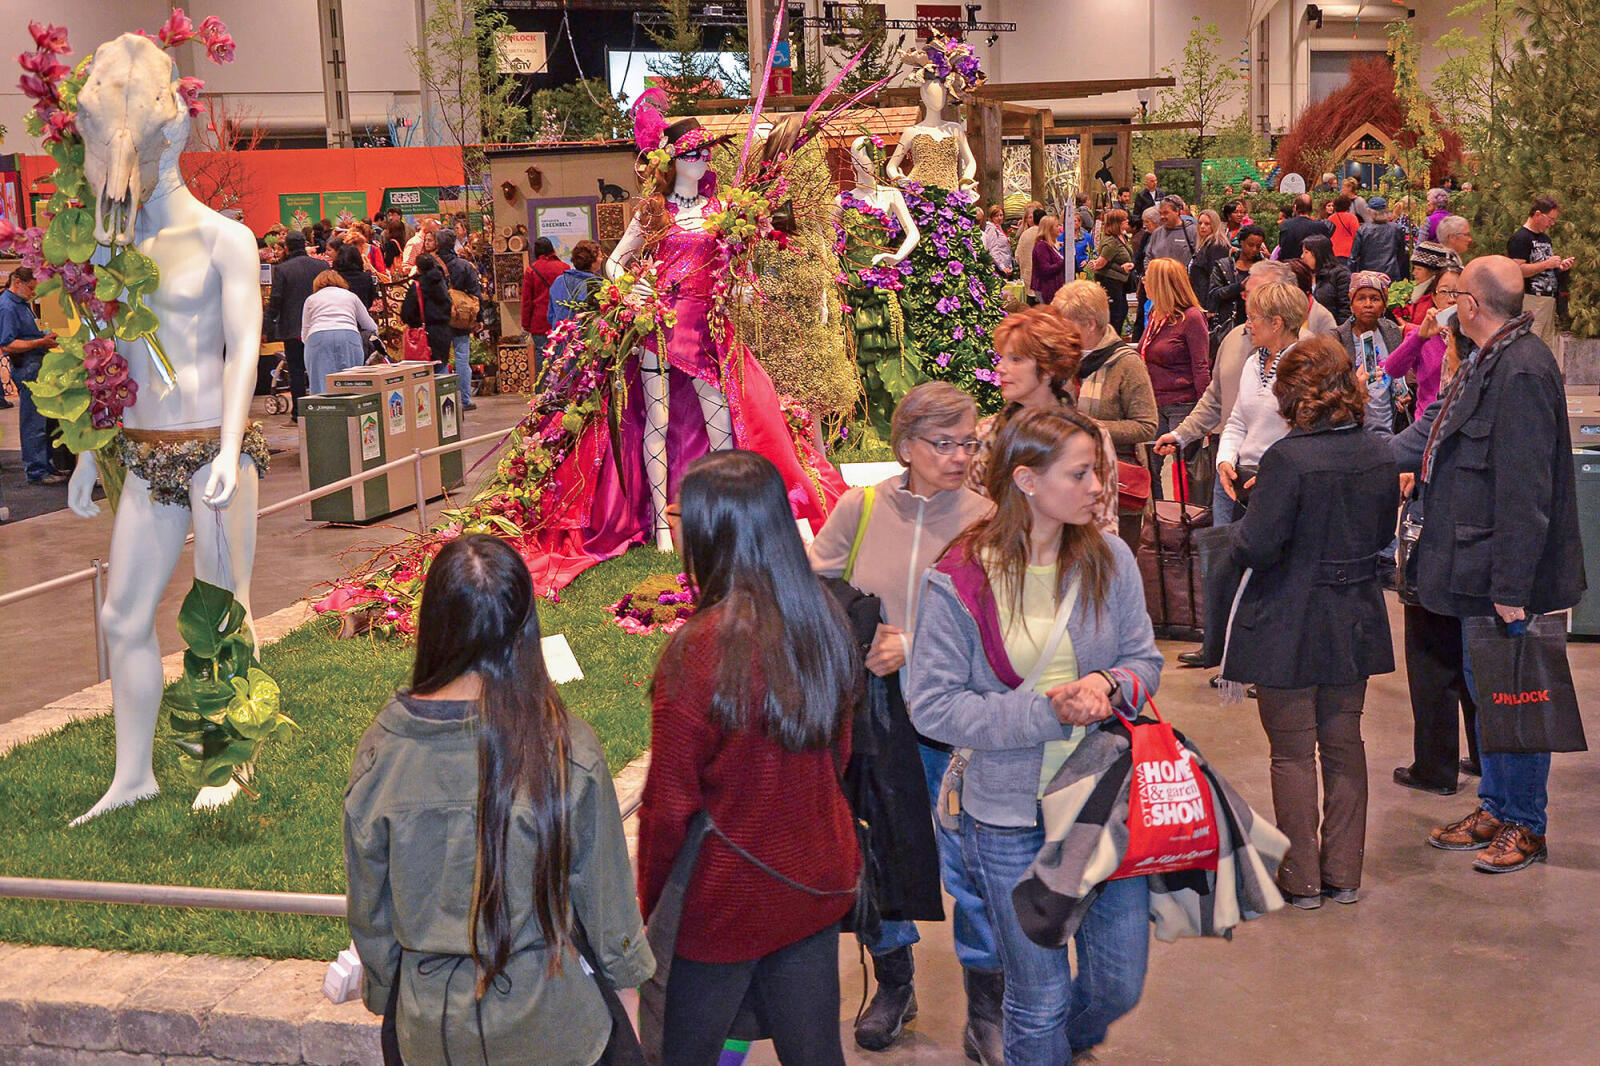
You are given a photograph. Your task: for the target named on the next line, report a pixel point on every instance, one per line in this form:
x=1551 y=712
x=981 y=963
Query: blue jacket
x=956 y=697
x=569 y=294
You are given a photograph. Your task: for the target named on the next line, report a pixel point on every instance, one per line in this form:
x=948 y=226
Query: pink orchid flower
x=49 y=38
x=178 y=28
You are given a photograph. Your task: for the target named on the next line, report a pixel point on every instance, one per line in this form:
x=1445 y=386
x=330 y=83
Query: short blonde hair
x=1277 y=299
x=326 y=278
x=931 y=405
x=1083 y=301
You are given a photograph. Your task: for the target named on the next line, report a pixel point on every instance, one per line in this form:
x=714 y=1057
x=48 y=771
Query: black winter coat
x=887 y=786
x=1381 y=246
x=1332 y=290
x=1312 y=611
x=292 y=279
x=433 y=313
x=1502 y=512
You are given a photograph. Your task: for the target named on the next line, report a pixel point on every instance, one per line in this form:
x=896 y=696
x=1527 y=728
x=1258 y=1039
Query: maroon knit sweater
x=783 y=807
x=1178 y=355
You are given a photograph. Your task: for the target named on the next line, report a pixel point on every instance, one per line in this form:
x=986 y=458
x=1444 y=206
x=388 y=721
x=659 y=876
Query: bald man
x=1148 y=197
x=1500 y=530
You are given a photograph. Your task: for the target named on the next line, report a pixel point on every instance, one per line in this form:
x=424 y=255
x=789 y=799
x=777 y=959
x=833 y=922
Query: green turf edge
x=289 y=839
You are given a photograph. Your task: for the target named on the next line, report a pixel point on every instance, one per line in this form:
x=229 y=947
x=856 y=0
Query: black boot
x=984 y=1040
x=893 y=1004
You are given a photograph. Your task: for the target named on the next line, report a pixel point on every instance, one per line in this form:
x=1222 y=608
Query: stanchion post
x=97 y=598
x=422 y=497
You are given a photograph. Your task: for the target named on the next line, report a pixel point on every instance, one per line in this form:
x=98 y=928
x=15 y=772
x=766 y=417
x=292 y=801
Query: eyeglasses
x=946 y=446
x=1452 y=293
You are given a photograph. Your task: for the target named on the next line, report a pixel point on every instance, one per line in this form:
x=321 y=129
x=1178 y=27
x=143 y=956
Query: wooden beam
x=983 y=135
x=1036 y=163
x=994 y=92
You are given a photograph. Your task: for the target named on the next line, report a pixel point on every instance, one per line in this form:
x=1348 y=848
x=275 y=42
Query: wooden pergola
x=996 y=110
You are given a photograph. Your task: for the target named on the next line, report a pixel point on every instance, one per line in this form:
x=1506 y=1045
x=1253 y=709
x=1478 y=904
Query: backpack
x=464 y=307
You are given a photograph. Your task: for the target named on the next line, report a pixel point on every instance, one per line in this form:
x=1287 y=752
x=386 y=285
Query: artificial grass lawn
x=290 y=838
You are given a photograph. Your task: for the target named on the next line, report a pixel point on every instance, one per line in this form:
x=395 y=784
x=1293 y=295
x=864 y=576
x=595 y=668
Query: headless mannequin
x=885 y=198
x=209 y=303
x=941 y=118
x=690 y=207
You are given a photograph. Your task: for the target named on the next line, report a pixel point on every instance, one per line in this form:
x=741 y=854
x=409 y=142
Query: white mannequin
x=690 y=206
x=941 y=118
x=209 y=303
x=885 y=198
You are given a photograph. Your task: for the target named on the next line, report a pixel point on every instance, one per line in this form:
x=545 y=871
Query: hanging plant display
x=225 y=705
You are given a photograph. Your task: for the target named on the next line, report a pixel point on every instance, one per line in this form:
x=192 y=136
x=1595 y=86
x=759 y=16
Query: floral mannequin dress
x=884 y=352
x=952 y=296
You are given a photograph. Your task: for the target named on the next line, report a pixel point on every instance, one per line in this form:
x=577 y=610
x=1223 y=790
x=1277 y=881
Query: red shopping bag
x=1172 y=822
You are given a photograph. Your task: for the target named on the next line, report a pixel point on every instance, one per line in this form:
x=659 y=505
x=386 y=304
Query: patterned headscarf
x=1369 y=279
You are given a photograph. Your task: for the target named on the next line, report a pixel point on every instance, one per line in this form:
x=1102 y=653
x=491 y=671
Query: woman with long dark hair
x=750 y=728
x=1331 y=285
x=992 y=672
x=480 y=830
x=427 y=305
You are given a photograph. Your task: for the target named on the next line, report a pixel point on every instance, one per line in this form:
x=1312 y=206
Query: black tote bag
x=1526 y=700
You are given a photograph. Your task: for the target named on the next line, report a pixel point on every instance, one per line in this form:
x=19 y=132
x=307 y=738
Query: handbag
x=948 y=809
x=1172 y=823
x=414 y=342
x=1526 y=700
x=622 y=1046
x=1133 y=486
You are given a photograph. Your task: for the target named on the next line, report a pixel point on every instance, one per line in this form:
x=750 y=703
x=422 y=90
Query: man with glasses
x=1531 y=250
x=1500 y=532
x=26 y=344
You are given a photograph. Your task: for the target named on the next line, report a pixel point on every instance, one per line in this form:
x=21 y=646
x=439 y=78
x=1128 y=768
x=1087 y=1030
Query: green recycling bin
x=340 y=436
x=1586 y=471
x=447 y=393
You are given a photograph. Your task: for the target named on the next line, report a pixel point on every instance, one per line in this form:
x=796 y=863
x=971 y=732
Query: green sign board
x=422 y=200
x=297 y=210
x=343 y=208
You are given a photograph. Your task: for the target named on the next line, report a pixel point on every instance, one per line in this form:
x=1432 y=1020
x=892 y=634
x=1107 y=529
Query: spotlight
x=991 y=39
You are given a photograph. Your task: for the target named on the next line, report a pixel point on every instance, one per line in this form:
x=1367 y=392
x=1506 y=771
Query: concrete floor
x=47 y=650
x=1436 y=964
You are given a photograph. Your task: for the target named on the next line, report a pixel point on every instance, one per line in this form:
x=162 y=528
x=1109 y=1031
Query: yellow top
x=936 y=161
x=1025 y=636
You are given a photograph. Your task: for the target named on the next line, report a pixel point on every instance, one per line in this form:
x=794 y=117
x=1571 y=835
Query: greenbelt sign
x=422 y=200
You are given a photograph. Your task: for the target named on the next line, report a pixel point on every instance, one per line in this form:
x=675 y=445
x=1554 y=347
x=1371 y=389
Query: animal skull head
x=132 y=119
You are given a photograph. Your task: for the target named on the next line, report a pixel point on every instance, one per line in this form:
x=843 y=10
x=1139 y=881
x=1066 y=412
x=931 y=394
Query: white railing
x=95 y=572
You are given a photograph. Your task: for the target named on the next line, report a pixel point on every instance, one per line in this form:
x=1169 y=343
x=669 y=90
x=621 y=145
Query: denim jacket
x=958 y=696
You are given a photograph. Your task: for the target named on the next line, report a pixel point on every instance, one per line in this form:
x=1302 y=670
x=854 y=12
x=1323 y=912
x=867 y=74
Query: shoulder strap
x=869 y=497
x=1053 y=643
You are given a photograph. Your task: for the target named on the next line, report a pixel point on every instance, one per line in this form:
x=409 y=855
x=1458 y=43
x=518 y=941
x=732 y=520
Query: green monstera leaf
x=253 y=712
x=208 y=617
x=137 y=270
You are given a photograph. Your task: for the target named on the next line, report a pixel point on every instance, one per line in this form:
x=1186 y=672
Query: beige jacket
x=904 y=536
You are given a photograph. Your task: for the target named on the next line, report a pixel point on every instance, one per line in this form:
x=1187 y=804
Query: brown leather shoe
x=1469 y=834
x=1513 y=848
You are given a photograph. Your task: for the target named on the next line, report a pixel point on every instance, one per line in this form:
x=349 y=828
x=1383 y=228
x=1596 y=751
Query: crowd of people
x=973 y=620
x=422 y=287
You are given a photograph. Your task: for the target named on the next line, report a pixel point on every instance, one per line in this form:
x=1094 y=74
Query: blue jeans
x=32 y=433
x=1513 y=785
x=1223 y=510
x=974 y=936
x=462 y=346
x=1049 y=1014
